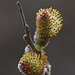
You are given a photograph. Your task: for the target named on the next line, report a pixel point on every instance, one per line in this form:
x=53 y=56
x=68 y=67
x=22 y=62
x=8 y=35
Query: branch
x=46 y=73
x=27 y=36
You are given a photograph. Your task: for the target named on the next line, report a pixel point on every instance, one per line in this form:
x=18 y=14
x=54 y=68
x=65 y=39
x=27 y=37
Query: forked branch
x=27 y=36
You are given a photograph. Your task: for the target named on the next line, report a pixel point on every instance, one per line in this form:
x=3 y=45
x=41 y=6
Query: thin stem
x=27 y=36
x=46 y=73
x=22 y=14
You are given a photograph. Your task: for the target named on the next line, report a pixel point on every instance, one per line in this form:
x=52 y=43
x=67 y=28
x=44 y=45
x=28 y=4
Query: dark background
x=61 y=49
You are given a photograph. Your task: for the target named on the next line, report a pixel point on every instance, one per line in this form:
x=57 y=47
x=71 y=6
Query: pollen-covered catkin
x=48 y=24
x=30 y=64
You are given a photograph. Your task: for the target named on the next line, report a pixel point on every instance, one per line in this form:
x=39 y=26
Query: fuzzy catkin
x=30 y=64
x=48 y=24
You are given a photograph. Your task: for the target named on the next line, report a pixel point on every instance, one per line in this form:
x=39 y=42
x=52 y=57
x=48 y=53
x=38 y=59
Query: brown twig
x=27 y=36
x=46 y=73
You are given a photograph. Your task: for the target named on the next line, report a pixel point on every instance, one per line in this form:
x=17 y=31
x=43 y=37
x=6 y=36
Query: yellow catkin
x=30 y=63
x=48 y=24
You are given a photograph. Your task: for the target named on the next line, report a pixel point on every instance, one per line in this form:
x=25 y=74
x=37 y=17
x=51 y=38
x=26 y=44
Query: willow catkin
x=48 y=24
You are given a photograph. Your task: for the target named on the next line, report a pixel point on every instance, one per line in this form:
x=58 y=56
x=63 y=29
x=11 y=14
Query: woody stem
x=27 y=36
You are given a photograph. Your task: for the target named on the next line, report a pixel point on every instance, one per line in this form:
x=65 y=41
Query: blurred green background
x=61 y=49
